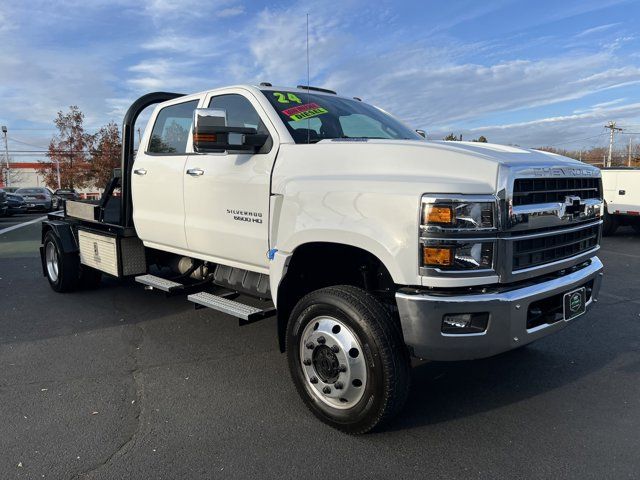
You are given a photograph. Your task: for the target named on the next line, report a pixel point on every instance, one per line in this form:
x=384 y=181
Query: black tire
x=610 y=224
x=66 y=277
x=385 y=357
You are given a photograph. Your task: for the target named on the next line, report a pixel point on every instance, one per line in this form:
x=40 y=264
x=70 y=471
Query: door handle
x=195 y=172
x=621 y=192
x=140 y=171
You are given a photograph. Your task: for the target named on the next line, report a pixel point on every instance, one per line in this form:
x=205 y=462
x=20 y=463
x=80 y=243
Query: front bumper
x=421 y=316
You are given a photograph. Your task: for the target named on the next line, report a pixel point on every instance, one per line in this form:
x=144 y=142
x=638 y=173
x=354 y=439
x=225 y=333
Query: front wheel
x=347 y=358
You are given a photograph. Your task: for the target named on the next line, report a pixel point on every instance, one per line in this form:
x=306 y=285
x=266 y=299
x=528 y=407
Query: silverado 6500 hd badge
x=245 y=216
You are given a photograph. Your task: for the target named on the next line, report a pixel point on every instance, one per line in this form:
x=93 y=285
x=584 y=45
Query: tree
x=480 y=139
x=105 y=155
x=68 y=152
x=15 y=175
x=452 y=138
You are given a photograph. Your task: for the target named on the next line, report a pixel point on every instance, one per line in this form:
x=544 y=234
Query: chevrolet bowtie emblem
x=572 y=205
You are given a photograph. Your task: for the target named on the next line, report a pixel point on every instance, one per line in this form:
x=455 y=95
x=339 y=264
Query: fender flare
x=64 y=232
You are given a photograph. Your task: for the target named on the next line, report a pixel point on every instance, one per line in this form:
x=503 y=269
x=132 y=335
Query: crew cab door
x=226 y=194
x=157 y=180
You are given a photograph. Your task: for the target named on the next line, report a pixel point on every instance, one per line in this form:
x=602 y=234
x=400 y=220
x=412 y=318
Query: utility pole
x=611 y=126
x=629 y=159
x=7 y=181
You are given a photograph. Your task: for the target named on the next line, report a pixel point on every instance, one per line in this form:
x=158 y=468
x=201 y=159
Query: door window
x=240 y=112
x=171 y=129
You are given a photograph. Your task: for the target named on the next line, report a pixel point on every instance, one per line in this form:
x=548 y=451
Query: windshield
x=311 y=117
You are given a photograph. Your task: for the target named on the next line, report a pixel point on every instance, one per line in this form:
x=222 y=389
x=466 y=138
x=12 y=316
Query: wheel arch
x=314 y=265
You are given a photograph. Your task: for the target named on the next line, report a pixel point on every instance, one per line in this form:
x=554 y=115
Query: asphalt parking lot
x=124 y=383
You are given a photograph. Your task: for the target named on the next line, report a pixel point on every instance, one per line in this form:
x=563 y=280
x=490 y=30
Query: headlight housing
x=456 y=234
x=473 y=214
x=458 y=255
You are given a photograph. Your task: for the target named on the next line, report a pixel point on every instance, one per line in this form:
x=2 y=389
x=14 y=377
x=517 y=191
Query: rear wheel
x=62 y=269
x=347 y=358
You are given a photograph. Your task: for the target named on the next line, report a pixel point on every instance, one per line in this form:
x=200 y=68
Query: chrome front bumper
x=421 y=317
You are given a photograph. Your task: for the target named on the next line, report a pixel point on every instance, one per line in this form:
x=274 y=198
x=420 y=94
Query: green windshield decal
x=287 y=98
x=304 y=111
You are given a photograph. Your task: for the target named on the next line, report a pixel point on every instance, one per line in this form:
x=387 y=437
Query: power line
x=27 y=144
x=576 y=140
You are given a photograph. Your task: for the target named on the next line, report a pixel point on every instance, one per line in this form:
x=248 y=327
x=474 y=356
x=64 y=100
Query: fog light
x=465 y=323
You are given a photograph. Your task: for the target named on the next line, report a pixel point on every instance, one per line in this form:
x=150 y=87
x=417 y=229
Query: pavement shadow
x=445 y=391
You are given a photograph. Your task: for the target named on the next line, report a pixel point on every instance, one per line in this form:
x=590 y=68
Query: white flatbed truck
x=368 y=243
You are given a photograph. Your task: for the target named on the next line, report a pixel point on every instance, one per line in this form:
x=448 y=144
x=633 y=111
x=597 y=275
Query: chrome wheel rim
x=333 y=362
x=51 y=258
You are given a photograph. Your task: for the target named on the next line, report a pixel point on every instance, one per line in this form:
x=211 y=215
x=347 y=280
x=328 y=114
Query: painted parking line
x=15 y=227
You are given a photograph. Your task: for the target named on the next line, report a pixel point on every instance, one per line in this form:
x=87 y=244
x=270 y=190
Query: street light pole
x=7 y=181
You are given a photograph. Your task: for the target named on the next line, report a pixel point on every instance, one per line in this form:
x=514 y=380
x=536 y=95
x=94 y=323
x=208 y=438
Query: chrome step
x=159 y=283
x=230 y=307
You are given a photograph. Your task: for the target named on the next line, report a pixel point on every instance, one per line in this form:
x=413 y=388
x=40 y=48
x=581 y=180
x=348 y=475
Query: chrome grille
x=530 y=191
x=532 y=252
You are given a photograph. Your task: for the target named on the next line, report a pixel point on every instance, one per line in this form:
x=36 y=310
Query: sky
x=529 y=73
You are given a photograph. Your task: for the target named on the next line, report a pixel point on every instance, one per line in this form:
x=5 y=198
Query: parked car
x=36 y=198
x=10 y=189
x=63 y=194
x=3 y=203
x=16 y=204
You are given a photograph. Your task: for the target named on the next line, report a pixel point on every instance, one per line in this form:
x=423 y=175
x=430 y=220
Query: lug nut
x=335 y=349
x=321 y=340
x=326 y=390
x=338 y=385
x=310 y=345
x=313 y=380
x=307 y=361
x=342 y=367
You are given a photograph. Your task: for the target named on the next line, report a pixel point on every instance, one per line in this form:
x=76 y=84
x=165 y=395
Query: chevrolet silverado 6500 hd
x=368 y=243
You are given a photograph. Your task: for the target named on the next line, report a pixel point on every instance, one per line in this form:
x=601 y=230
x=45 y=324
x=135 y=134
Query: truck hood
x=413 y=166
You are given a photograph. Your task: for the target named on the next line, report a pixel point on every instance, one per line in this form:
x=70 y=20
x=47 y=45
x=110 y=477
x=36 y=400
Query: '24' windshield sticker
x=287 y=98
x=304 y=111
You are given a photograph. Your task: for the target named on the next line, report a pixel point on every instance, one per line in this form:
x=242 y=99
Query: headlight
x=441 y=215
x=446 y=221
x=458 y=255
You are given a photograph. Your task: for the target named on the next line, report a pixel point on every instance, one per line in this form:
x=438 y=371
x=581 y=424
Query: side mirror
x=211 y=133
x=422 y=133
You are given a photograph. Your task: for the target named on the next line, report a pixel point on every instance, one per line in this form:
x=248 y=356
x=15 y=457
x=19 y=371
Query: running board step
x=159 y=283
x=244 y=312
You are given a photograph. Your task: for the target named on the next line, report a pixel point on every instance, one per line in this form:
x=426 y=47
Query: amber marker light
x=442 y=257
x=441 y=214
